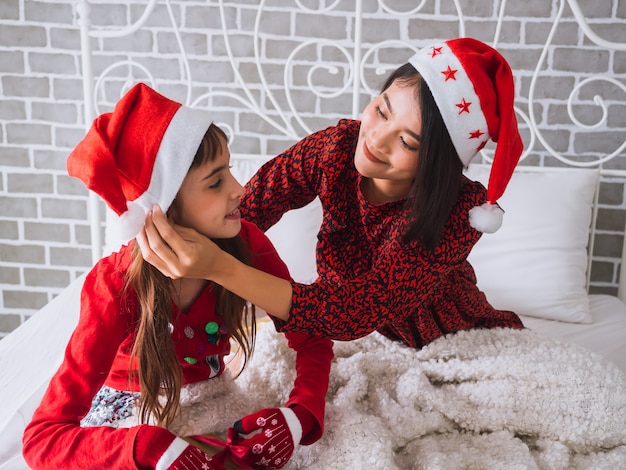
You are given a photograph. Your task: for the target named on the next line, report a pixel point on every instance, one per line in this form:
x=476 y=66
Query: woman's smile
x=369 y=155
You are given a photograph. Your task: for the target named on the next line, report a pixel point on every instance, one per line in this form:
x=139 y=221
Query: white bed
x=605 y=335
x=396 y=413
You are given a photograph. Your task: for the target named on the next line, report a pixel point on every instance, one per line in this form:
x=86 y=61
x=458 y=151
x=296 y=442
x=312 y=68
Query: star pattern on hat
x=463 y=106
x=476 y=134
x=436 y=51
x=449 y=73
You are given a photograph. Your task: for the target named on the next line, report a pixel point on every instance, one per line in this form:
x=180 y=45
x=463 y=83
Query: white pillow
x=536 y=263
x=295 y=239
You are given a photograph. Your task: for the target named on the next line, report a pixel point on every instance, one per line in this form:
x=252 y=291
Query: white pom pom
x=486 y=218
x=130 y=222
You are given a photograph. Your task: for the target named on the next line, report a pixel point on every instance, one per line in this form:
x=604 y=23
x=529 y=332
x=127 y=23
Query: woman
x=399 y=217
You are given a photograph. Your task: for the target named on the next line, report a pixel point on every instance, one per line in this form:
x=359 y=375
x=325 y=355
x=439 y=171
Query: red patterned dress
x=368 y=279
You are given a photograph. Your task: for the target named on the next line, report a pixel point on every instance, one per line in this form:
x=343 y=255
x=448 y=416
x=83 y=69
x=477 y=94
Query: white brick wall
x=44 y=229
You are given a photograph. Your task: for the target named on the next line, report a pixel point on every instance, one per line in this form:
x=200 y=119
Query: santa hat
x=138 y=155
x=473 y=87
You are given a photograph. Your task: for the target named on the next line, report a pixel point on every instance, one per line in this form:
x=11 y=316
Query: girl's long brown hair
x=158 y=367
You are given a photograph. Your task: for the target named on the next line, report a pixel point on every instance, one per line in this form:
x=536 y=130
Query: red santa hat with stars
x=138 y=155
x=473 y=87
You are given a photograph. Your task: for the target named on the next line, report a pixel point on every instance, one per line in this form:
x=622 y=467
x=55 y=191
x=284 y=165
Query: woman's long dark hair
x=438 y=179
x=159 y=370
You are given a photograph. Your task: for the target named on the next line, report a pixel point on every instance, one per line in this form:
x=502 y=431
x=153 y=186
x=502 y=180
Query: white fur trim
x=486 y=218
x=178 y=147
x=129 y=223
x=170 y=455
x=294 y=424
x=430 y=62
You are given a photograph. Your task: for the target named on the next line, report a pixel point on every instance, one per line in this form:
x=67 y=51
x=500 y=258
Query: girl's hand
x=181 y=455
x=177 y=251
x=271 y=435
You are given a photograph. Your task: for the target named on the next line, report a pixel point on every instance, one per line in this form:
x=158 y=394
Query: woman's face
x=388 y=146
x=208 y=200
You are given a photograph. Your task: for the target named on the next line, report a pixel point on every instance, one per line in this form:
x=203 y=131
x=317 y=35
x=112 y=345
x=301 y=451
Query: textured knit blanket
x=479 y=399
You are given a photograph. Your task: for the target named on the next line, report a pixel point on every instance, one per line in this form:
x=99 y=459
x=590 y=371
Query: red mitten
x=270 y=435
x=181 y=455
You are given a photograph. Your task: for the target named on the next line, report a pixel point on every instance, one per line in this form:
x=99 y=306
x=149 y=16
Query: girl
x=141 y=336
x=399 y=217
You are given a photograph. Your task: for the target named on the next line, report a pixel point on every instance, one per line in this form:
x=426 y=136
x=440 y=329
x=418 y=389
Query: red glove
x=181 y=455
x=270 y=435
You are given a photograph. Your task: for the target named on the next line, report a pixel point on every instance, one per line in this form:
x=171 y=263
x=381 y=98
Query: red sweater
x=368 y=278
x=98 y=354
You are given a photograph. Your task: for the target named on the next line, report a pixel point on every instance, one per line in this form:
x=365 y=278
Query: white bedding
x=29 y=356
x=606 y=335
x=502 y=398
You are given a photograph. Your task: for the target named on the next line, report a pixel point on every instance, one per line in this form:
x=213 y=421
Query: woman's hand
x=177 y=251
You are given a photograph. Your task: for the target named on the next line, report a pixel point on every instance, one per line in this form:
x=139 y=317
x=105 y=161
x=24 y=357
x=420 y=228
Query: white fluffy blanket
x=480 y=399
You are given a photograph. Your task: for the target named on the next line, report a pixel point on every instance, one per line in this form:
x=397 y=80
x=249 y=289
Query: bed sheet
x=606 y=335
x=29 y=356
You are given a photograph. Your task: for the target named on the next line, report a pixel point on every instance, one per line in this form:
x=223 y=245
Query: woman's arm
x=182 y=252
x=54 y=438
x=287 y=181
x=399 y=281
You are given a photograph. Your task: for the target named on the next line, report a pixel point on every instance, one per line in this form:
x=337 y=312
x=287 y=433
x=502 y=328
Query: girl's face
x=208 y=200
x=388 y=146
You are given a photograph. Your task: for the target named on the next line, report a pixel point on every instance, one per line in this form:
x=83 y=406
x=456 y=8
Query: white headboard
x=275 y=71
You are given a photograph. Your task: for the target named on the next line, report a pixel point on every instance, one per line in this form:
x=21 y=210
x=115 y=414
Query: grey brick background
x=44 y=227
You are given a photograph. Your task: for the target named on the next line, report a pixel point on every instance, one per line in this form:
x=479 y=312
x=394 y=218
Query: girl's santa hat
x=473 y=87
x=139 y=154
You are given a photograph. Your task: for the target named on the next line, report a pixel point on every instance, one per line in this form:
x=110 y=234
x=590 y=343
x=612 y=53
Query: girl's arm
x=314 y=354
x=54 y=438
